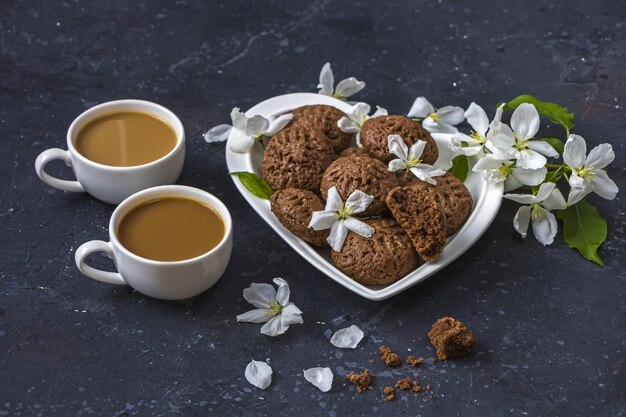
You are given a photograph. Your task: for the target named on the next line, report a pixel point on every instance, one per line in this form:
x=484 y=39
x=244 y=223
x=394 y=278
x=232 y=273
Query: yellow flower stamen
x=435 y=117
x=274 y=309
x=477 y=137
x=344 y=212
x=536 y=211
x=585 y=173
x=506 y=170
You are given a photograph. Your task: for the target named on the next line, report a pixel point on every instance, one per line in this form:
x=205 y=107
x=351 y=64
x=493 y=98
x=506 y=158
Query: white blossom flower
x=322 y=378
x=495 y=168
x=337 y=216
x=353 y=121
x=480 y=137
x=344 y=89
x=250 y=129
x=441 y=120
x=518 y=144
x=259 y=374
x=548 y=198
x=272 y=307
x=409 y=159
x=347 y=338
x=588 y=174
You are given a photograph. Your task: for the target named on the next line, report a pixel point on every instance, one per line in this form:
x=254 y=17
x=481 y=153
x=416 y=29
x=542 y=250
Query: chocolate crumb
x=413 y=361
x=433 y=360
x=451 y=338
x=362 y=381
x=388 y=357
x=372 y=360
x=388 y=394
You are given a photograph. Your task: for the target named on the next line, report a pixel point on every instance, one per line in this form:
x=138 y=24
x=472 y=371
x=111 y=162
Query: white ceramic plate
x=487 y=198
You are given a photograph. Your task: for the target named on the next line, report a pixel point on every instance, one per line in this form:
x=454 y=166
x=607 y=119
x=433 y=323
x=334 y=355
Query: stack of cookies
x=411 y=218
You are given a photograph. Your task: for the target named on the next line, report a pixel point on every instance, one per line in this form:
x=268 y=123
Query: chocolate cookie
x=293 y=209
x=297 y=157
x=375 y=131
x=363 y=173
x=325 y=118
x=454 y=197
x=353 y=152
x=383 y=258
x=420 y=214
x=451 y=338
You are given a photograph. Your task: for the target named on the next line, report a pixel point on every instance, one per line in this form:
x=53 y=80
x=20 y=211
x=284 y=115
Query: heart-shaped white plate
x=487 y=198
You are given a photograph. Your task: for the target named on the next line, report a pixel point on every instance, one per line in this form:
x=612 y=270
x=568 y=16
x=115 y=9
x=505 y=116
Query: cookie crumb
x=451 y=338
x=407 y=384
x=362 y=381
x=428 y=388
x=388 y=357
x=372 y=360
x=388 y=394
x=413 y=361
x=433 y=360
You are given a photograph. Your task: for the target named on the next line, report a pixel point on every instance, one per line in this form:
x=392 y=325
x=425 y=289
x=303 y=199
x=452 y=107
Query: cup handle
x=94 y=246
x=50 y=155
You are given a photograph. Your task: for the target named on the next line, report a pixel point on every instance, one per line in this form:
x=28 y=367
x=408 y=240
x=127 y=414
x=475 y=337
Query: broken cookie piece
x=414 y=362
x=362 y=381
x=451 y=338
x=388 y=357
x=407 y=384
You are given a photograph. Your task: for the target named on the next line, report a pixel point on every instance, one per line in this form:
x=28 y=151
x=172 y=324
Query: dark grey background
x=550 y=324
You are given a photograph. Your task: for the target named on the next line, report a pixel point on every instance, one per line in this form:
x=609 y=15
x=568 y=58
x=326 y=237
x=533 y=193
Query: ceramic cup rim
x=148 y=107
x=164 y=191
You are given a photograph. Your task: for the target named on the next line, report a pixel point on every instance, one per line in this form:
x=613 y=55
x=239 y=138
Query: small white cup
x=113 y=184
x=165 y=280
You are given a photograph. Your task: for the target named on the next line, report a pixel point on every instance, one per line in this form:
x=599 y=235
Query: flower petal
x=358 y=201
x=525 y=121
x=600 y=156
x=274 y=327
x=260 y=295
x=423 y=175
x=358 y=227
x=217 y=133
x=477 y=118
x=543 y=148
x=258 y=315
x=327 y=80
x=259 y=374
x=358 y=112
x=554 y=201
x=348 y=87
x=257 y=125
x=322 y=378
x=397 y=146
x=380 y=111
x=282 y=294
x=290 y=314
x=544 y=227
x=575 y=151
x=602 y=185
x=576 y=194
x=347 y=338
x=544 y=192
x=520 y=198
x=240 y=142
x=521 y=220
x=511 y=183
x=421 y=108
x=322 y=220
x=239 y=119
x=337 y=235
x=438 y=127
x=277 y=124
x=347 y=125
x=417 y=149
x=396 y=165
x=529 y=176
x=452 y=115
x=490 y=162
x=333 y=200
x=530 y=159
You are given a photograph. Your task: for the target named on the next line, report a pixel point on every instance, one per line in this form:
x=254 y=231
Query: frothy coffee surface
x=171 y=229
x=126 y=139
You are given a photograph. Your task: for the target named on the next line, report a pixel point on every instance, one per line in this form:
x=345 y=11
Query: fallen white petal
x=326 y=80
x=347 y=338
x=358 y=201
x=239 y=119
x=337 y=235
x=421 y=108
x=258 y=315
x=259 y=374
x=322 y=220
x=217 y=133
x=257 y=125
x=274 y=327
x=260 y=295
x=278 y=124
x=359 y=227
x=241 y=143
x=322 y=378
x=349 y=86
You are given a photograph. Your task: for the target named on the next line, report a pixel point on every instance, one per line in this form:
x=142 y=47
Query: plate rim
x=487 y=204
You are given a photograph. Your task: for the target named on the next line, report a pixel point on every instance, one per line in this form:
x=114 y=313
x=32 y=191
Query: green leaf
x=584 y=229
x=460 y=166
x=255 y=184
x=556 y=144
x=554 y=112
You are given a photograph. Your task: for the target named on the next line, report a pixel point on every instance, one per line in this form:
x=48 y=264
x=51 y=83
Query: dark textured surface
x=550 y=326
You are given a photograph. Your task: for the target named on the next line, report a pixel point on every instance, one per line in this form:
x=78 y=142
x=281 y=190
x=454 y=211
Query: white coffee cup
x=113 y=184
x=165 y=280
